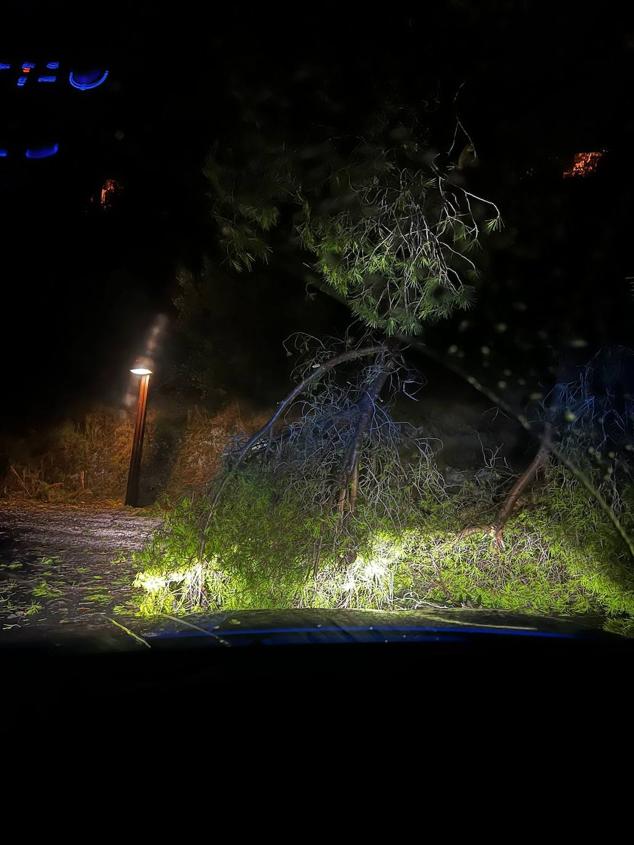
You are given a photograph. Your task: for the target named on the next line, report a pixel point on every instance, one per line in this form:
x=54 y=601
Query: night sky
x=82 y=285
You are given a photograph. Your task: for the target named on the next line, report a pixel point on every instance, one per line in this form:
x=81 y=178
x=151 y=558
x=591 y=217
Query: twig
x=520 y=485
x=130 y=633
x=24 y=487
x=266 y=428
x=196 y=628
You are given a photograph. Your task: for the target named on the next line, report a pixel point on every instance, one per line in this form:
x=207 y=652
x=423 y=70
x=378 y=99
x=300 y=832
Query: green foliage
x=100 y=597
x=396 y=243
x=260 y=551
x=562 y=555
x=248 y=187
x=392 y=228
x=622 y=625
x=266 y=549
x=47 y=562
x=44 y=590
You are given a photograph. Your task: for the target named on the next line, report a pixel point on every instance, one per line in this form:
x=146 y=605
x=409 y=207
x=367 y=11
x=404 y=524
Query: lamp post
x=132 y=492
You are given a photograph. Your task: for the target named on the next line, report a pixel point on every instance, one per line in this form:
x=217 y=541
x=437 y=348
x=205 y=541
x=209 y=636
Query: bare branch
x=320 y=371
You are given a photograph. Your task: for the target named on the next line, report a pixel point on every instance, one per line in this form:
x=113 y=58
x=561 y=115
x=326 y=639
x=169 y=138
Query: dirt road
x=63 y=564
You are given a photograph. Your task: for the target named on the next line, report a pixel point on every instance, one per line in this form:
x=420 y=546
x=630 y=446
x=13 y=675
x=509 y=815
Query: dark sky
x=81 y=286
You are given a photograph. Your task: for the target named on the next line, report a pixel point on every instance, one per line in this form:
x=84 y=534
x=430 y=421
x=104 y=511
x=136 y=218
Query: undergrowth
x=87 y=459
x=267 y=548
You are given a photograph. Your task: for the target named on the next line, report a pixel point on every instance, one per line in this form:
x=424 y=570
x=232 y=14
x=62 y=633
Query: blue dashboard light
x=4 y=153
x=22 y=81
x=89 y=80
x=52 y=66
x=46 y=78
x=4 y=66
x=30 y=65
x=42 y=152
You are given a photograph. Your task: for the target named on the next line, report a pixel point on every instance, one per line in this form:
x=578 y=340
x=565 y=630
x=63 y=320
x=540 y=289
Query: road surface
x=63 y=565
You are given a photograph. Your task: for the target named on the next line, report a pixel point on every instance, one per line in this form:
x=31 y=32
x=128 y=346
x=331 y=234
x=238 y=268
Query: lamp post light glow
x=132 y=492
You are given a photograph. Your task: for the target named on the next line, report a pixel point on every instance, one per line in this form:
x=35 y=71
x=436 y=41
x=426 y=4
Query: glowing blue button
x=52 y=66
x=4 y=153
x=22 y=81
x=46 y=78
x=4 y=66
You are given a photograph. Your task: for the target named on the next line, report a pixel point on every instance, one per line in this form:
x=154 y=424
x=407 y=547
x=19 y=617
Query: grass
x=267 y=549
x=99 y=597
x=44 y=590
x=47 y=562
x=69 y=464
x=124 y=609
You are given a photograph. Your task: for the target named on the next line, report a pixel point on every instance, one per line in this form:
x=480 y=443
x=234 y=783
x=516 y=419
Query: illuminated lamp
x=87 y=81
x=42 y=152
x=132 y=492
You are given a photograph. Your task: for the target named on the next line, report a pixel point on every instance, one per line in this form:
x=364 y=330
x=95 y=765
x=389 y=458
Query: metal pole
x=132 y=493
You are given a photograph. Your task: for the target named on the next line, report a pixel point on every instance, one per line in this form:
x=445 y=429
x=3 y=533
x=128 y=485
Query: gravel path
x=63 y=564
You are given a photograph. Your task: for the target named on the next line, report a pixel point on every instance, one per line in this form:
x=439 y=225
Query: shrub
x=266 y=548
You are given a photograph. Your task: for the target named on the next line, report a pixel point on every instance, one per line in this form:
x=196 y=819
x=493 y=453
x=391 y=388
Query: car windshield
x=316 y=327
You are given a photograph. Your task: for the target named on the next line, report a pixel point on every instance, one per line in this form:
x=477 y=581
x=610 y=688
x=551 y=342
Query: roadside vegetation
x=269 y=533
x=272 y=549
x=86 y=460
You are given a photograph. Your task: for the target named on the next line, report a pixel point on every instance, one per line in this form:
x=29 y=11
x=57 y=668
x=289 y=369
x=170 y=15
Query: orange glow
x=583 y=164
x=26 y=70
x=108 y=190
